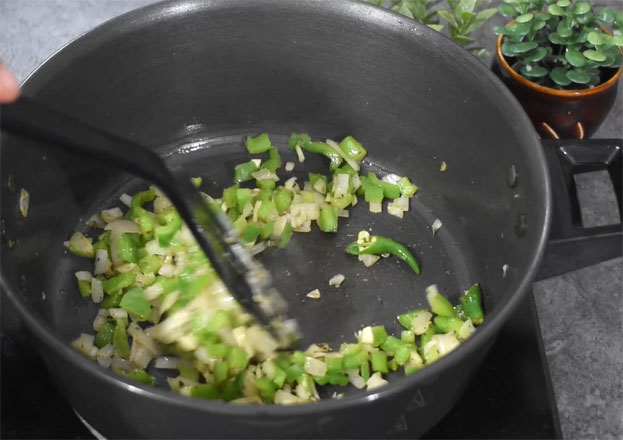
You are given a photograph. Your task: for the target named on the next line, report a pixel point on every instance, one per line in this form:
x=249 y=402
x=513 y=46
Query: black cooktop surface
x=510 y=396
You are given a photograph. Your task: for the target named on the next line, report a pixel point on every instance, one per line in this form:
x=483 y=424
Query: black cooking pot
x=190 y=79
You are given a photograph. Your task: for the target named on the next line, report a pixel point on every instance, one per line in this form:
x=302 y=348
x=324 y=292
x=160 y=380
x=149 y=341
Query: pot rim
x=386 y=20
x=549 y=90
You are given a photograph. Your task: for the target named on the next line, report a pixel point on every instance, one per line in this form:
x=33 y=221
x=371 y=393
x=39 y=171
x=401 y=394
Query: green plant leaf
x=581 y=8
x=597 y=38
x=556 y=39
x=559 y=76
x=480 y=19
x=520 y=30
x=542 y=16
x=578 y=76
x=563 y=3
x=448 y=17
x=437 y=27
x=575 y=58
x=466 y=18
x=508 y=50
x=462 y=40
x=537 y=25
x=536 y=55
x=584 y=18
x=480 y=52
x=465 y=6
x=594 y=55
x=524 y=47
x=501 y=30
x=616 y=40
x=606 y=16
x=563 y=29
x=507 y=10
x=533 y=71
x=609 y=61
x=555 y=10
x=524 y=18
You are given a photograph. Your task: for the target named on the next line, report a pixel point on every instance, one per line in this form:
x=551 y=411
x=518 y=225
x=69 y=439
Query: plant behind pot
x=562 y=60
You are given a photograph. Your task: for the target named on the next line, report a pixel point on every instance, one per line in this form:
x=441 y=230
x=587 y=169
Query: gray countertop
x=581 y=312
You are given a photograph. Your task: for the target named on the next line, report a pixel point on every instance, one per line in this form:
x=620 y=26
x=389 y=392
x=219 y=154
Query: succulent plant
x=562 y=44
x=463 y=17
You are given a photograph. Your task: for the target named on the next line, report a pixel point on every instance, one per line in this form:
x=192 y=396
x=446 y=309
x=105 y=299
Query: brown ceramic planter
x=559 y=114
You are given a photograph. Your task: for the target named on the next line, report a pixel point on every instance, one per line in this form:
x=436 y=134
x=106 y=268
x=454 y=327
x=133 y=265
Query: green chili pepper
x=305 y=143
x=407 y=189
x=345 y=169
x=251 y=232
x=205 y=391
x=121 y=281
x=120 y=338
x=134 y=303
x=285 y=236
x=84 y=287
x=243 y=196
x=229 y=196
x=283 y=199
x=274 y=160
x=267 y=230
x=445 y=324
x=383 y=245
x=365 y=370
x=327 y=221
x=258 y=144
x=353 y=149
x=127 y=247
x=390 y=190
x=141 y=375
x=104 y=334
x=334 y=364
x=169 y=222
x=243 y=171
x=379 y=362
x=139 y=199
x=471 y=304
x=196 y=181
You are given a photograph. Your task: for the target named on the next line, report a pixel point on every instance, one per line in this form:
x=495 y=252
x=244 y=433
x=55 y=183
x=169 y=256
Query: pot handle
x=571 y=246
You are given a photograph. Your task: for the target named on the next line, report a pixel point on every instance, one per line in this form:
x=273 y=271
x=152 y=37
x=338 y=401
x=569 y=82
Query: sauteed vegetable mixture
x=162 y=305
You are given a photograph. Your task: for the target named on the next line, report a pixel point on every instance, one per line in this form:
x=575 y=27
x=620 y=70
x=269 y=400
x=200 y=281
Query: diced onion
x=315 y=367
x=443 y=166
x=256 y=210
x=120 y=364
x=436 y=225
x=84 y=344
x=167 y=270
x=161 y=204
x=110 y=215
x=126 y=199
x=368 y=259
x=123 y=226
x=289 y=166
x=166 y=362
x=24 y=201
x=289 y=184
x=340 y=187
x=421 y=321
x=354 y=377
x=153 y=248
x=104 y=355
x=264 y=174
x=376 y=207
x=96 y=221
x=504 y=270
x=257 y=162
x=391 y=178
x=100 y=319
x=445 y=343
x=314 y=294
x=343 y=213
x=102 y=262
x=152 y=292
x=375 y=381
x=354 y=165
x=125 y=268
x=403 y=202
x=97 y=291
x=299 y=153
x=283 y=398
x=118 y=313
x=337 y=280
x=466 y=330
x=83 y=275
x=395 y=210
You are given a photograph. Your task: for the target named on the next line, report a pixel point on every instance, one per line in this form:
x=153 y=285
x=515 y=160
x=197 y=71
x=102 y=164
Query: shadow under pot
x=560 y=114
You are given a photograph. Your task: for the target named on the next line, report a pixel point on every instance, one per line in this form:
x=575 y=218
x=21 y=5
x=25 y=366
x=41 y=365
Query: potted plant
x=562 y=60
x=463 y=17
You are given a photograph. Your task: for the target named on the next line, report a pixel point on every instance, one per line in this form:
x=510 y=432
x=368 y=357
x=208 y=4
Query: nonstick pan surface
x=191 y=79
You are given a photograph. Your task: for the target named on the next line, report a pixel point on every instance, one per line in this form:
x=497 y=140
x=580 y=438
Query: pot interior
x=192 y=79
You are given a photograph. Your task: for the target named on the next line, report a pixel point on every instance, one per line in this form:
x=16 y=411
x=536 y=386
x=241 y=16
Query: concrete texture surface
x=581 y=312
